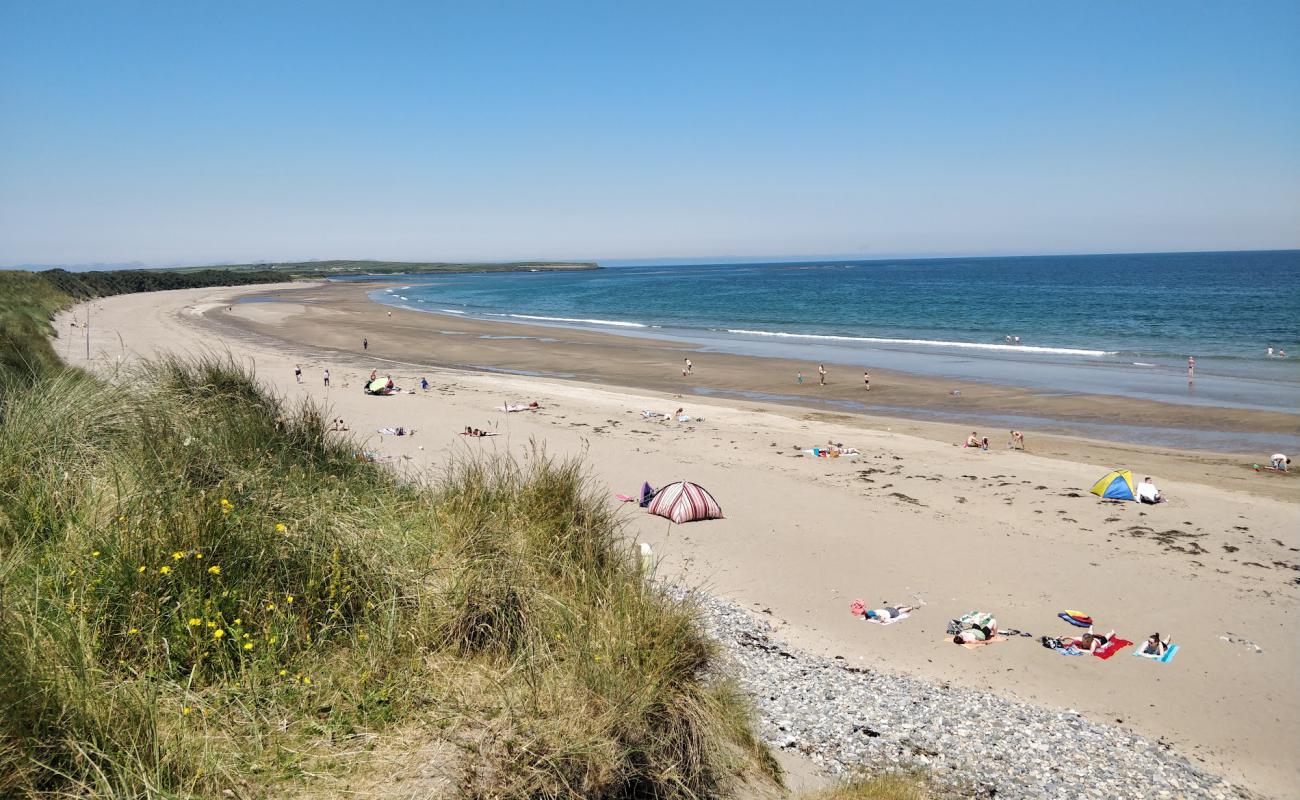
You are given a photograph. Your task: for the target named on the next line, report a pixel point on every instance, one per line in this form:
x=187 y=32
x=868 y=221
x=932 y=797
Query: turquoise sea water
x=1116 y=324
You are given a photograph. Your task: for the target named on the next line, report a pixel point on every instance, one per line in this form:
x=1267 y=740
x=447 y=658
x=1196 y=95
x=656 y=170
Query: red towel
x=1111 y=648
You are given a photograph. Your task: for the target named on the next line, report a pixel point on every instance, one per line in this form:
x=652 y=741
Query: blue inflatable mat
x=1164 y=659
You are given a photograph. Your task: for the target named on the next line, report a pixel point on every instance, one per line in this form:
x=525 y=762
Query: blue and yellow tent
x=1117 y=485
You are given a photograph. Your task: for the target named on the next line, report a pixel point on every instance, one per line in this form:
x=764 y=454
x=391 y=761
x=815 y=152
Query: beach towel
x=396 y=431
x=651 y=414
x=625 y=498
x=997 y=637
x=887 y=621
x=1111 y=648
x=1076 y=618
x=1164 y=659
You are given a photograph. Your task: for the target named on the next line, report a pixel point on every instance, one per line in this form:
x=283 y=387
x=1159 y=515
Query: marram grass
x=202 y=590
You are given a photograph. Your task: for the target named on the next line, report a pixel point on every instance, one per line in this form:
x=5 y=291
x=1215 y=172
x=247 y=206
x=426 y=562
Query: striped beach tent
x=685 y=502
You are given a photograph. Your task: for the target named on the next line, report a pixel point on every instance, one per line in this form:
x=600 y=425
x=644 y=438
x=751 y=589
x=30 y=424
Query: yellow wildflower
x=195 y=622
x=218 y=633
x=198 y=555
x=95 y=554
x=307 y=681
x=270 y=606
x=284 y=672
x=279 y=527
x=186 y=710
x=165 y=570
x=238 y=621
x=214 y=570
x=211 y=624
x=133 y=632
x=140 y=568
x=248 y=645
x=288 y=598
x=272 y=640
x=178 y=555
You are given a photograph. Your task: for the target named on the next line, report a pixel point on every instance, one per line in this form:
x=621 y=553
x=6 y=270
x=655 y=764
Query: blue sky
x=187 y=132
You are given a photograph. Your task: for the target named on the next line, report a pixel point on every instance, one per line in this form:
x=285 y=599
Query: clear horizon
x=189 y=135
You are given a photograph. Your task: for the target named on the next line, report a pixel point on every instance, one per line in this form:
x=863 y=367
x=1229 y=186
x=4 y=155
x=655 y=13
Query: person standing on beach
x=365 y=344
x=798 y=377
x=821 y=374
x=866 y=379
x=297 y=372
x=1191 y=368
x=327 y=379
x=689 y=366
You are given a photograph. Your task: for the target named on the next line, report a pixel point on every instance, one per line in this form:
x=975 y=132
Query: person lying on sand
x=888 y=612
x=1155 y=647
x=1089 y=642
x=976 y=634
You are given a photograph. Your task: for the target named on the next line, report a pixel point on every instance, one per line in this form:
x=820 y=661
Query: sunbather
x=888 y=612
x=1155 y=647
x=1089 y=642
x=976 y=634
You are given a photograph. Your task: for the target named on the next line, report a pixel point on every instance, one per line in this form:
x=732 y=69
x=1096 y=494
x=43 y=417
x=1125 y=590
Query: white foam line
x=617 y=323
x=450 y=311
x=1014 y=348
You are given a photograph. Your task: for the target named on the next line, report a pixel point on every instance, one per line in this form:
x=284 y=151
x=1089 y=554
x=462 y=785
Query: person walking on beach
x=1017 y=440
x=365 y=344
x=689 y=366
x=866 y=379
x=1191 y=368
x=821 y=374
x=798 y=377
x=297 y=372
x=327 y=379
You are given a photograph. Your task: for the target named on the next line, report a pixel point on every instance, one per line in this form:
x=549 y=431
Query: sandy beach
x=914 y=518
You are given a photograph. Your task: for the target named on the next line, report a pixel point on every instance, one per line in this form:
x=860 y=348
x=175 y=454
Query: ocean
x=1112 y=324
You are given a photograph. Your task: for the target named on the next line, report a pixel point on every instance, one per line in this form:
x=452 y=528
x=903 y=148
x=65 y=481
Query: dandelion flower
x=140 y=568
x=95 y=554
x=211 y=624
x=195 y=622
x=279 y=527
x=270 y=606
x=218 y=633
x=288 y=598
x=238 y=621
x=133 y=632
x=272 y=640
x=284 y=672
x=214 y=570
x=248 y=645
x=186 y=710
x=177 y=556
x=307 y=681
x=165 y=570
x=198 y=555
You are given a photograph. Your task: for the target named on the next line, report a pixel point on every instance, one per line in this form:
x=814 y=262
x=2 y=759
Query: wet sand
x=1015 y=533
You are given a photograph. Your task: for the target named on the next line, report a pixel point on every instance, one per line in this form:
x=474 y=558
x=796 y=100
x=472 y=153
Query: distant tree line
x=82 y=285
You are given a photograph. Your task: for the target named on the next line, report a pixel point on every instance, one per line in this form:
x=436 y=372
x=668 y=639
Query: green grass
x=881 y=787
x=201 y=590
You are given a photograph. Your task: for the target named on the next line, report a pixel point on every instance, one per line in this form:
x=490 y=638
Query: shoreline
x=328 y=317
x=1010 y=532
